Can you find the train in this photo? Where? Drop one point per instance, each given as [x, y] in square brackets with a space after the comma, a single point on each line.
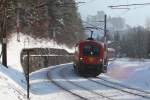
[90, 58]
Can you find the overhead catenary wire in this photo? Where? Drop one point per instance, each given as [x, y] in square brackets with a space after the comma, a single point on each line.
[99, 28]
[88, 2]
[129, 5]
[123, 8]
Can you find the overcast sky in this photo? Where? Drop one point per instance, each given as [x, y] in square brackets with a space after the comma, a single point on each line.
[137, 15]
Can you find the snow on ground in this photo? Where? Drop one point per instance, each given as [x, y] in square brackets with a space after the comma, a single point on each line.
[13, 77]
[41, 88]
[14, 47]
[11, 83]
[131, 72]
[13, 86]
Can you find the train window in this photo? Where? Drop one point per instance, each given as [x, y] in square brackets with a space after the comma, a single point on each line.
[90, 50]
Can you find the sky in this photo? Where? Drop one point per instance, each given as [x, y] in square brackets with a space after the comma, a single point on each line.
[137, 15]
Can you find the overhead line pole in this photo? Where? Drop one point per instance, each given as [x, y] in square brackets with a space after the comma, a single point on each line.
[105, 43]
[105, 30]
[27, 74]
[4, 38]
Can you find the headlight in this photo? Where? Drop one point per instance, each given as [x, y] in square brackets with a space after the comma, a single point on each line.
[81, 59]
[100, 60]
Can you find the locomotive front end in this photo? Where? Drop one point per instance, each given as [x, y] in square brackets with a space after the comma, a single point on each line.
[90, 58]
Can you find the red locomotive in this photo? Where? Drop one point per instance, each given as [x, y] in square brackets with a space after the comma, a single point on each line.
[90, 58]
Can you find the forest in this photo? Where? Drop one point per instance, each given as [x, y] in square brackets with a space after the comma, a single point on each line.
[56, 20]
[59, 20]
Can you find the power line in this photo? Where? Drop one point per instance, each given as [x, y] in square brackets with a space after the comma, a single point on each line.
[93, 26]
[123, 8]
[88, 2]
[128, 5]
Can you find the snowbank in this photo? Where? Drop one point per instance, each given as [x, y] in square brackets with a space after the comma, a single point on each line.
[15, 47]
[12, 80]
[12, 83]
[131, 72]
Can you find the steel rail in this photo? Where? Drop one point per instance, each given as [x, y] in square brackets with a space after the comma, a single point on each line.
[118, 88]
[93, 92]
[62, 87]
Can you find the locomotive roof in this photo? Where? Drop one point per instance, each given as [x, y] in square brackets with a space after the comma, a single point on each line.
[92, 41]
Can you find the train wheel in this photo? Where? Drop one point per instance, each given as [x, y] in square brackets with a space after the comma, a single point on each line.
[77, 69]
[74, 65]
[98, 70]
[105, 66]
[90, 75]
[96, 73]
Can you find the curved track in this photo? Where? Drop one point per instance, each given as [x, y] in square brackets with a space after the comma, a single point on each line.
[64, 73]
[117, 86]
[92, 88]
[50, 76]
[58, 77]
[123, 86]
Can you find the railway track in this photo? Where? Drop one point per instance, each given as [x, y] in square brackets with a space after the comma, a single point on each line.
[123, 88]
[95, 88]
[63, 73]
[74, 89]
[120, 87]
[49, 75]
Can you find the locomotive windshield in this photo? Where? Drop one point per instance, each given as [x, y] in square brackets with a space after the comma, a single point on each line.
[90, 50]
